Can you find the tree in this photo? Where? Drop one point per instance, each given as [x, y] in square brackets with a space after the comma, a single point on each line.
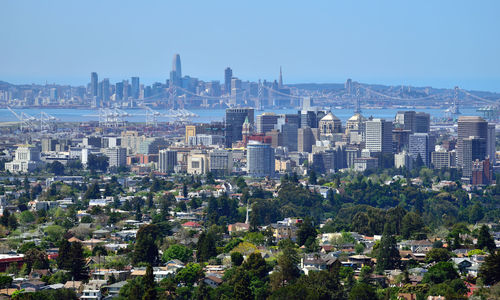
[5, 281]
[388, 255]
[99, 250]
[27, 217]
[97, 163]
[286, 271]
[411, 223]
[149, 284]
[206, 246]
[256, 266]
[56, 167]
[64, 258]
[489, 269]
[365, 274]
[241, 285]
[362, 291]
[78, 267]
[36, 259]
[485, 240]
[313, 179]
[177, 251]
[92, 192]
[184, 190]
[440, 272]
[190, 274]
[236, 259]
[145, 245]
[306, 230]
[437, 255]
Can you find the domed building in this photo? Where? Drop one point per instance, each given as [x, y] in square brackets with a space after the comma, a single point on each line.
[330, 124]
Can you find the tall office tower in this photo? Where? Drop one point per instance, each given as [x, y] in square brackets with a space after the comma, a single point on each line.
[290, 136]
[235, 117]
[221, 162]
[307, 103]
[306, 137]
[266, 122]
[126, 90]
[93, 84]
[105, 91]
[470, 126]
[260, 159]
[48, 144]
[422, 122]
[348, 86]
[53, 95]
[406, 120]
[330, 124]
[135, 88]
[379, 135]
[176, 73]
[119, 91]
[167, 160]
[117, 156]
[490, 144]
[419, 144]
[473, 148]
[228, 74]
[235, 91]
[308, 119]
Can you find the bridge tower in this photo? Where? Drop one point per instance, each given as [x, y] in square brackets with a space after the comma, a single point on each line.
[455, 106]
[357, 99]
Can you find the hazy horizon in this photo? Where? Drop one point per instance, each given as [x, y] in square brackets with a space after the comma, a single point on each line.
[426, 43]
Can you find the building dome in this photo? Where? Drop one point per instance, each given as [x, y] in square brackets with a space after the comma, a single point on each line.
[330, 117]
[356, 118]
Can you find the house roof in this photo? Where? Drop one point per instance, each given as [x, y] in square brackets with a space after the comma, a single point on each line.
[191, 224]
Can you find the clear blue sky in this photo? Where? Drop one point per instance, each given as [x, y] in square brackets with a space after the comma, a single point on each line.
[421, 43]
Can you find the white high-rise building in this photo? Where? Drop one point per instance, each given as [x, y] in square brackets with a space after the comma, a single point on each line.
[167, 160]
[379, 135]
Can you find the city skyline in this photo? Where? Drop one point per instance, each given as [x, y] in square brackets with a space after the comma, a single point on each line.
[440, 44]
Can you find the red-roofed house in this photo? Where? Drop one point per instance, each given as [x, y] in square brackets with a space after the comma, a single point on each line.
[191, 225]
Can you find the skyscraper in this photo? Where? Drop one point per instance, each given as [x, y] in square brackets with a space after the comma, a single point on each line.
[473, 148]
[167, 160]
[266, 122]
[491, 141]
[422, 122]
[379, 135]
[228, 74]
[119, 91]
[420, 145]
[176, 73]
[406, 120]
[470, 126]
[94, 82]
[260, 159]
[135, 88]
[105, 91]
[235, 91]
[235, 117]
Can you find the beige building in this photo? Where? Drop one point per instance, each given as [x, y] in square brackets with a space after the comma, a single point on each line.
[27, 159]
[198, 162]
[355, 129]
[330, 124]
